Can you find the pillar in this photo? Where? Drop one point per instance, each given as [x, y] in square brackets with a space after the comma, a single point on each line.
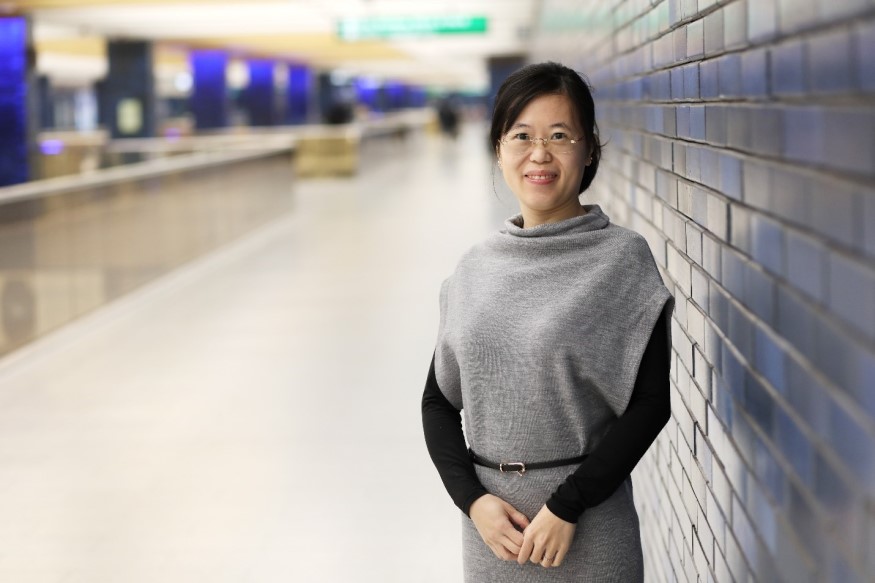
[130, 89]
[209, 100]
[17, 116]
[298, 94]
[259, 97]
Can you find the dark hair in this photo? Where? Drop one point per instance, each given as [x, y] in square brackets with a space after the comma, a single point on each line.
[533, 81]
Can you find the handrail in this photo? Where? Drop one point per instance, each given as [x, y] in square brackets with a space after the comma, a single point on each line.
[136, 171]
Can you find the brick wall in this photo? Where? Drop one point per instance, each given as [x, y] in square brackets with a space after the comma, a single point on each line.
[742, 145]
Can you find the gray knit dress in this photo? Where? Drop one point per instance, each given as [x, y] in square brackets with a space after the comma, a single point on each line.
[541, 334]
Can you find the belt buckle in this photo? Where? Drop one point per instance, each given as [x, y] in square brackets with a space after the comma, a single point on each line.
[518, 467]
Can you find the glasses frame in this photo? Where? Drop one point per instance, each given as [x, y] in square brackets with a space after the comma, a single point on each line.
[545, 143]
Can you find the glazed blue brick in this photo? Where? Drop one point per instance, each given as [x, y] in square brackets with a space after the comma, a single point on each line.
[852, 293]
[735, 24]
[675, 13]
[730, 176]
[683, 121]
[663, 51]
[759, 405]
[700, 207]
[694, 243]
[680, 44]
[739, 233]
[835, 9]
[804, 520]
[757, 184]
[740, 332]
[696, 39]
[660, 86]
[711, 257]
[729, 71]
[760, 294]
[709, 79]
[694, 168]
[865, 37]
[700, 287]
[795, 15]
[853, 444]
[794, 562]
[714, 32]
[829, 488]
[869, 224]
[849, 139]
[767, 243]
[766, 130]
[710, 164]
[715, 124]
[788, 69]
[838, 358]
[766, 467]
[738, 127]
[761, 507]
[806, 263]
[689, 8]
[669, 122]
[790, 195]
[718, 217]
[733, 377]
[803, 134]
[691, 81]
[732, 277]
[834, 211]
[677, 83]
[680, 158]
[831, 63]
[762, 20]
[796, 322]
[769, 359]
[795, 446]
[697, 122]
[755, 72]
[667, 187]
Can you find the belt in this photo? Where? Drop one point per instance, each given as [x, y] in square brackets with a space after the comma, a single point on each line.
[522, 467]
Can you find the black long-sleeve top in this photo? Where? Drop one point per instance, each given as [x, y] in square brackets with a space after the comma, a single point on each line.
[604, 469]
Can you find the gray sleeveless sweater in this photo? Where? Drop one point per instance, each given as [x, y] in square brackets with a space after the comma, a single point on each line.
[541, 334]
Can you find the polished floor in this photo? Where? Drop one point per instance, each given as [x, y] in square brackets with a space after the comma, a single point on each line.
[254, 415]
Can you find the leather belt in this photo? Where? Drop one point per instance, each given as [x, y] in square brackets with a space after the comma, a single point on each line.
[522, 467]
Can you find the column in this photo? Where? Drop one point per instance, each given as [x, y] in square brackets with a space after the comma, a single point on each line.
[16, 97]
[209, 100]
[130, 89]
[259, 96]
[298, 94]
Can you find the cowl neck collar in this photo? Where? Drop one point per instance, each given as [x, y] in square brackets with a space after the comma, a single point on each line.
[593, 220]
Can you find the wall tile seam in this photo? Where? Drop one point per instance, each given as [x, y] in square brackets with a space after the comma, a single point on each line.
[827, 522]
[821, 27]
[844, 180]
[842, 398]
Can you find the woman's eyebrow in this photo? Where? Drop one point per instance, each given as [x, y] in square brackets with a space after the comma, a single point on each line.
[558, 124]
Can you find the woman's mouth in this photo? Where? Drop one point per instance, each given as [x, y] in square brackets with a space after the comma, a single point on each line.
[540, 177]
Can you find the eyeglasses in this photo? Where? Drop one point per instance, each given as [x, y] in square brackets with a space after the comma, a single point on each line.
[558, 143]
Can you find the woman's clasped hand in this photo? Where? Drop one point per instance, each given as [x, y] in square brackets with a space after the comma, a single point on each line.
[513, 537]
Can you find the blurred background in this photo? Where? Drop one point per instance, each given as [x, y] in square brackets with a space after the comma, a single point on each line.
[223, 229]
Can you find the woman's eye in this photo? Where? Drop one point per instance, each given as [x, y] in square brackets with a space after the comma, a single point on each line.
[559, 136]
[520, 137]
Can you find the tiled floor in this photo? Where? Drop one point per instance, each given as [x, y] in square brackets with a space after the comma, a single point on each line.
[254, 416]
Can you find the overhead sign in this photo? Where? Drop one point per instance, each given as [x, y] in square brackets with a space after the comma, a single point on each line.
[352, 29]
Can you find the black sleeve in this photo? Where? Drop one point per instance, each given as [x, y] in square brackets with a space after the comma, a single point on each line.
[442, 424]
[616, 455]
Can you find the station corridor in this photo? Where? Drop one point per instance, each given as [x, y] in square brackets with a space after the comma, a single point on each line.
[254, 415]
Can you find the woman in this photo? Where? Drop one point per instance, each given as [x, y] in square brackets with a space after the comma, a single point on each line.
[554, 340]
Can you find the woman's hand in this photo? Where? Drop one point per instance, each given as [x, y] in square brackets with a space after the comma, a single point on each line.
[495, 520]
[546, 540]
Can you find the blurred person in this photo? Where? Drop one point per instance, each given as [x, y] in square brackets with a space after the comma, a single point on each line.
[448, 117]
[554, 341]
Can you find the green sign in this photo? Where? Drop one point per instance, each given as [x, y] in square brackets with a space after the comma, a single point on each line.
[351, 29]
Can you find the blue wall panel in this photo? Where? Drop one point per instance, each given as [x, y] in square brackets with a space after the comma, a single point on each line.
[260, 93]
[209, 101]
[14, 167]
[298, 94]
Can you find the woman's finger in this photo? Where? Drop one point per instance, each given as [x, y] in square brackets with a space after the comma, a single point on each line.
[560, 556]
[511, 546]
[547, 561]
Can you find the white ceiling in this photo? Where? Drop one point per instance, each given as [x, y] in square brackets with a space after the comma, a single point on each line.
[450, 61]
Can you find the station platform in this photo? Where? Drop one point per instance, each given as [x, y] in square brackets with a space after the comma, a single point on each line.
[253, 416]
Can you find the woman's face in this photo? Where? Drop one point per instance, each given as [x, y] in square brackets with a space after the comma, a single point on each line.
[545, 180]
